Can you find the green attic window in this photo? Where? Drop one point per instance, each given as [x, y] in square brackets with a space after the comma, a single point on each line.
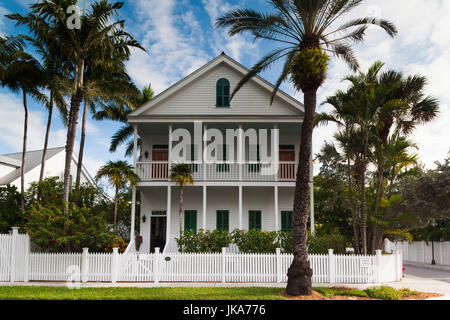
[223, 93]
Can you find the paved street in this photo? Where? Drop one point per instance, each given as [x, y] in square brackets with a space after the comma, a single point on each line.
[426, 279]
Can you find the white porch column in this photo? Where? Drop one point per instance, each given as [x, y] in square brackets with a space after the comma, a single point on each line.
[240, 152]
[168, 213]
[133, 189]
[240, 207]
[169, 187]
[311, 193]
[204, 207]
[275, 204]
[276, 150]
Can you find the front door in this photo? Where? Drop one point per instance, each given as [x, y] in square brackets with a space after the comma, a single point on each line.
[160, 167]
[157, 233]
[286, 158]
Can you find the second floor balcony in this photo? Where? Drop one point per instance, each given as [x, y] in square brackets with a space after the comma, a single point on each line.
[249, 171]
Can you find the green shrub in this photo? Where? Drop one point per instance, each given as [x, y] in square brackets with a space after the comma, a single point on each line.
[204, 241]
[10, 215]
[285, 239]
[256, 241]
[81, 227]
[384, 293]
[319, 244]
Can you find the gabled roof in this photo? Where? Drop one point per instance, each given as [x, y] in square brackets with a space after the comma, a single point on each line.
[33, 159]
[222, 58]
[10, 162]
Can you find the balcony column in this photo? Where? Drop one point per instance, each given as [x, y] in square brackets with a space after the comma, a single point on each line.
[205, 139]
[240, 152]
[169, 156]
[275, 205]
[276, 150]
[204, 207]
[133, 188]
[311, 194]
[240, 207]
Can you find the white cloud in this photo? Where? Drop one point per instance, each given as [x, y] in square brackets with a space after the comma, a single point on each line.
[11, 131]
[174, 47]
[3, 11]
[236, 46]
[422, 46]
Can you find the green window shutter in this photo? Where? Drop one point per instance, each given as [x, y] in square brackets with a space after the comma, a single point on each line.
[223, 93]
[254, 220]
[286, 221]
[222, 220]
[190, 220]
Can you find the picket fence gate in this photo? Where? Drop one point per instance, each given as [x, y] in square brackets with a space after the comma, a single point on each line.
[18, 264]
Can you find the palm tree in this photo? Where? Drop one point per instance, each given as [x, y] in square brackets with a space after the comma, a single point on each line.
[119, 173]
[55, 72]
[100, 38]
[118, 112]
[382, 100]
[306, 31]
[181, 174]
[343, 116]
[103, 83]
[21, 72]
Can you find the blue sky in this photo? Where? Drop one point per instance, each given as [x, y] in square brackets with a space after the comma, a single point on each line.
[179, 37]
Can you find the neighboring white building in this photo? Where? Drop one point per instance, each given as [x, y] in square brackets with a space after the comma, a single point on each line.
[234, 194]
[54, 166]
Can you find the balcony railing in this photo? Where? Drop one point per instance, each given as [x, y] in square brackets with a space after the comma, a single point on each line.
[250, 171]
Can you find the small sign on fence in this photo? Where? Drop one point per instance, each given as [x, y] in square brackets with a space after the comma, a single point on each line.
[365, 263]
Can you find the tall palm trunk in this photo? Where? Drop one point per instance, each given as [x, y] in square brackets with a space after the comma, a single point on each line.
[116, 202]
[352, 201]
[181, 217]
[47, 134]
[363, 193]
[71, 132]
[81, 152]
[300, 273]
[24, 150]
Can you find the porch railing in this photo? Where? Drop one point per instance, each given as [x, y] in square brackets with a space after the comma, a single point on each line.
[249, 171]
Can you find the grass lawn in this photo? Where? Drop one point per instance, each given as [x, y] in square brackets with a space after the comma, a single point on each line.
[202, 293]
[122, 293]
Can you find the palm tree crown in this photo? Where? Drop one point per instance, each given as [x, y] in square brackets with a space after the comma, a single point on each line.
[300, 25]
[118, 173]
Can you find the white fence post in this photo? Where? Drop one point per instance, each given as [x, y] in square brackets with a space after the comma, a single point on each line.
[27, 259]
[398, 265]
[85, 265]
[423, 250]
[14, 240]
[115, 265]
[278, 251]
[331, 266]
[378, 266]
[224, 251]
[156, 262]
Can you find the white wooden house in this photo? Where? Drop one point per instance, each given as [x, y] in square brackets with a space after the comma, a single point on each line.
[231, 189]
[54, 167]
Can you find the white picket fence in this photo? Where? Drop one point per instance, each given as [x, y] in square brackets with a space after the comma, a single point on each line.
[421, 251]
[186, 267]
